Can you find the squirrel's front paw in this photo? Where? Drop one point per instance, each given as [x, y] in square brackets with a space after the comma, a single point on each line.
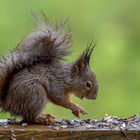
[76, 110]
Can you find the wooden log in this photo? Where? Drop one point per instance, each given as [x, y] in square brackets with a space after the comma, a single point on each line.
[41, 132]
[106, 128]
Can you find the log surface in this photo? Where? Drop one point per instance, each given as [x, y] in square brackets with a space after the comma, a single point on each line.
[107, 128]
[40, 132]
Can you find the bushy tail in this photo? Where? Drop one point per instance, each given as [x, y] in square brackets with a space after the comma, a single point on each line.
[47, 45]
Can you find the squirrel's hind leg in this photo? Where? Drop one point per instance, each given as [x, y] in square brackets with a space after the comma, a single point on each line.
[26, 97]
[44, 119]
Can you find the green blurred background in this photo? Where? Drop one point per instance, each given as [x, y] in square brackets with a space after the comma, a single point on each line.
[116, 27]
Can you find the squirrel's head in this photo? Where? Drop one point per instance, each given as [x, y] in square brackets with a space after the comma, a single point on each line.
[84, 80]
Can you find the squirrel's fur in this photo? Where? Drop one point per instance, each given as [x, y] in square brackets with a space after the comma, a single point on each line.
[33, 74]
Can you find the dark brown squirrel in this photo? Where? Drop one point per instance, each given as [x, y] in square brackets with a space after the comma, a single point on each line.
[33, 74]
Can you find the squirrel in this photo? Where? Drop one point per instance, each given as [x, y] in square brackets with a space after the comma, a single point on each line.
[33, 74]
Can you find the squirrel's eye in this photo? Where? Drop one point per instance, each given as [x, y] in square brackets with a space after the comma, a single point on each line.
[88, 84]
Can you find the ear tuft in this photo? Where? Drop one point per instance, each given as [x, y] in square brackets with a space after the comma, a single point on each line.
[87, 53]
[84, 59]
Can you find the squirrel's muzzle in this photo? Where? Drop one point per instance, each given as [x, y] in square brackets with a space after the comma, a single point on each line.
[93, 94]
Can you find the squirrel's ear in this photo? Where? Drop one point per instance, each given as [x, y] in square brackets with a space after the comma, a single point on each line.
[84, 59]
[87, 53]
[79, 66]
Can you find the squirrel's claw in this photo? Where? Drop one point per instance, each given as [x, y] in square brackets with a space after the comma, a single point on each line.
[84, 113]
[50, 116]
[76, 114]
[44, 119]
[77, 110]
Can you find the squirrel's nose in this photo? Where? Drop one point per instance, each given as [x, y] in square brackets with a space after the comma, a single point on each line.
[96, 88]
[94, 96]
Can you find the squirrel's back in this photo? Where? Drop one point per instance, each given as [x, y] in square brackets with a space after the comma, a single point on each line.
[48, 45]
